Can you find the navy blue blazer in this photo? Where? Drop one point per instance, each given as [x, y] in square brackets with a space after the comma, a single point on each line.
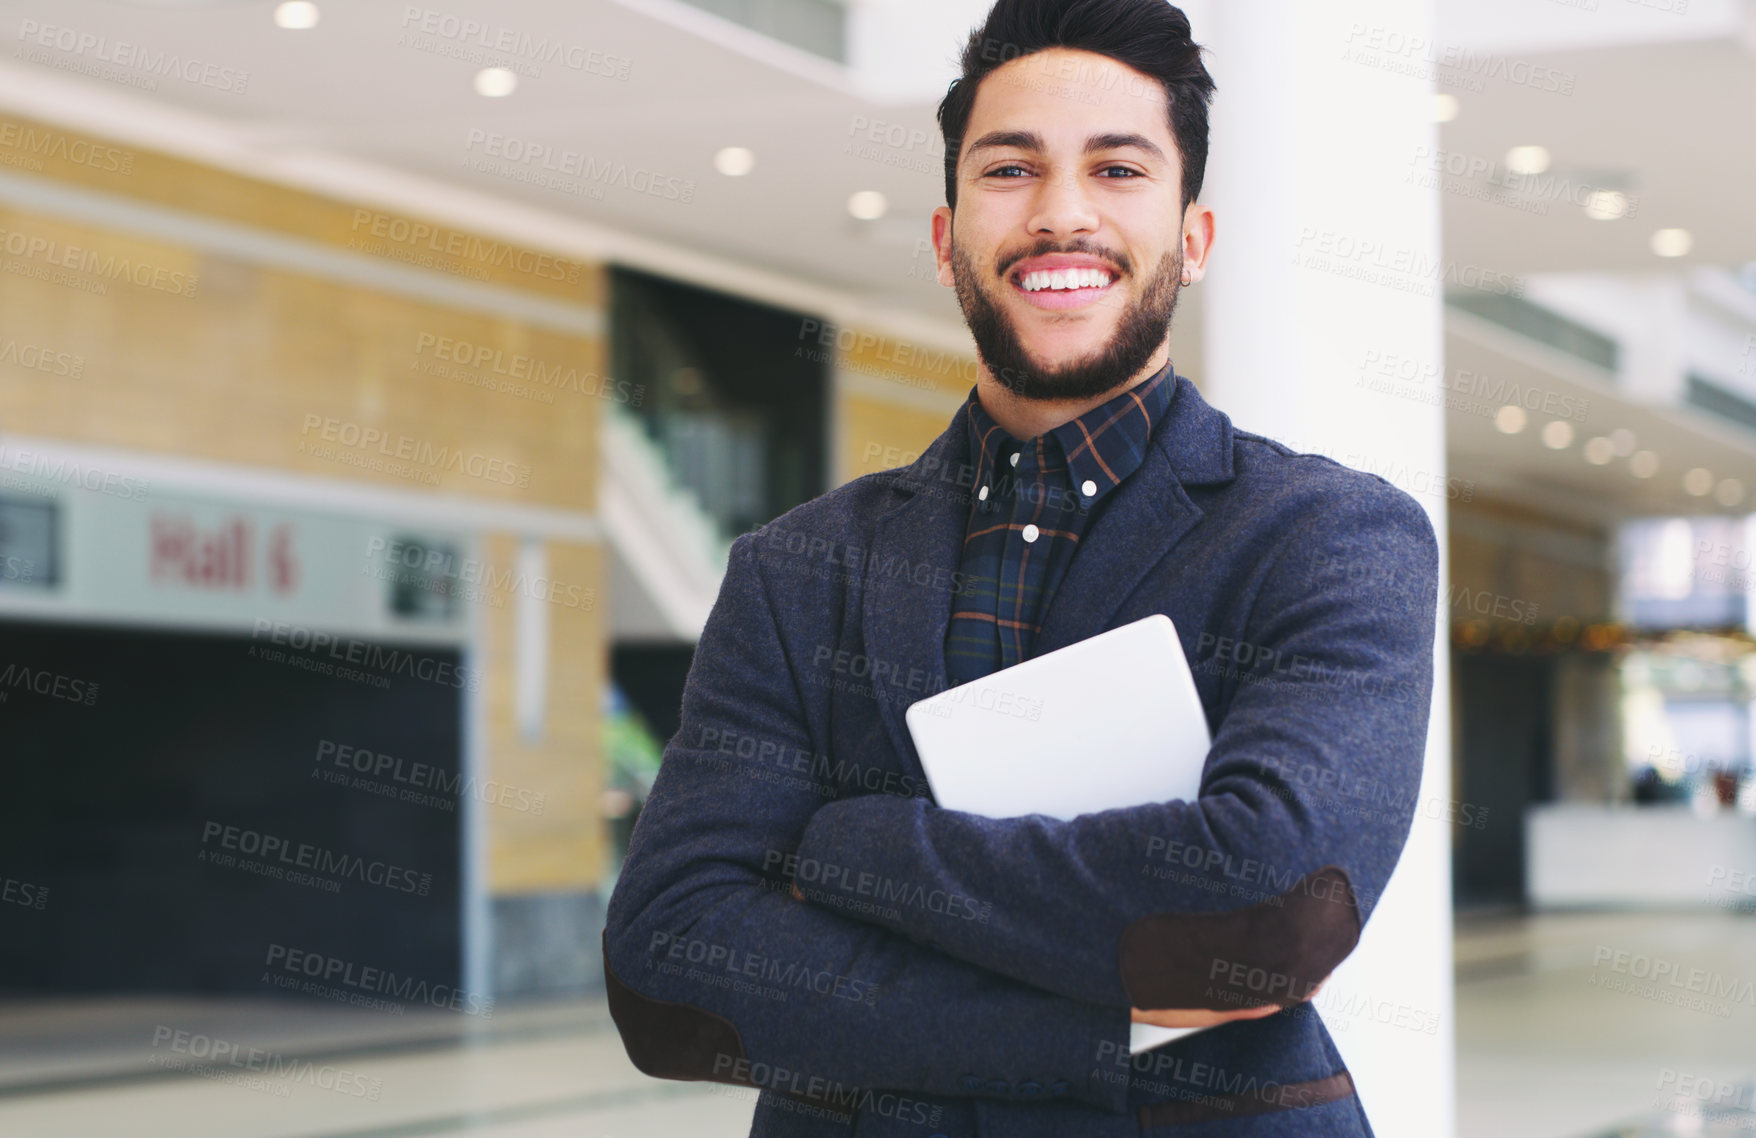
[796, 915]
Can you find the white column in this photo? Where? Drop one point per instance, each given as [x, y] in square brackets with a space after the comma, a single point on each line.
[1326, 264]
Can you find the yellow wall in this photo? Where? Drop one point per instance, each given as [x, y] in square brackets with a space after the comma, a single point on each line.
[888, 393]
[189, 354]
[562, 845]
[88, 162]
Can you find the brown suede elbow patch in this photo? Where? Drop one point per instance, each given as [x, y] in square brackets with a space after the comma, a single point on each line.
[678, 1041]
[1273, 952]
[673, 1041]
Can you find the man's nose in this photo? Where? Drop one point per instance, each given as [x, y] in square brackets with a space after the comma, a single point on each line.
[1063, 207]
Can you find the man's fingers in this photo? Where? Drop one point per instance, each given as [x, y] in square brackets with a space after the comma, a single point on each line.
[1204, 1017]
[1198, 1017]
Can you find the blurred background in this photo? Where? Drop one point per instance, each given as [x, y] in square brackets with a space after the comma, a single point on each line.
[382, 384]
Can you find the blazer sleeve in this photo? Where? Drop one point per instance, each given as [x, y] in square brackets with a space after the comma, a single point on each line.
[1253, 893]
[715, 971]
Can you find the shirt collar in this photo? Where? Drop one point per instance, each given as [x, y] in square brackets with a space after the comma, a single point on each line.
[1101, 447]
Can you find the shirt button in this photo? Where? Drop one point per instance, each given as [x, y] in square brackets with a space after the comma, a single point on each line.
[982, 494]
[1014, 458]
[1030, 533]
[1088, 488]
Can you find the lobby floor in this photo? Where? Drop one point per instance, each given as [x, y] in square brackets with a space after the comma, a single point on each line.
[1557, 1037]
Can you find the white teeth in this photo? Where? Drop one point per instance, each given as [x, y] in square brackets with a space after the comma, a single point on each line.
[1064, 279]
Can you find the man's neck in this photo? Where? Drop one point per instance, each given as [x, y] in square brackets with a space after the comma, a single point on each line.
[1027, 418]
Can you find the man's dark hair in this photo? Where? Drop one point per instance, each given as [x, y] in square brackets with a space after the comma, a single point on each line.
[1150, 36]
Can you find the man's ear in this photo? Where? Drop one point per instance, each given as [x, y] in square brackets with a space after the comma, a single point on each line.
[942, 245]
[1197, 240]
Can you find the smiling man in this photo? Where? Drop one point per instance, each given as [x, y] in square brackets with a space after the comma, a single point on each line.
[798, 917]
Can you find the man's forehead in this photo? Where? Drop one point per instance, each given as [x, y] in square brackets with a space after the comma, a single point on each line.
[1064, 95]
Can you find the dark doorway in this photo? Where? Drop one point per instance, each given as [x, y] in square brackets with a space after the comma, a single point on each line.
[1505, 756]
[188, 804]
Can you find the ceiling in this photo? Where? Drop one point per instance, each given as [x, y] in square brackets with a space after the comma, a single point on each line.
[1642, 116]
[1659, 108]
[1560, 480]
[1643, 119]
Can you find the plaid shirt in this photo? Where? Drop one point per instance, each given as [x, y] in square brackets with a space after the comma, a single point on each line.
[1032, 502]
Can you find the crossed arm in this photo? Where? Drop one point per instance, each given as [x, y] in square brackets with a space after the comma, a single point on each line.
[715, 972]
[905, 996]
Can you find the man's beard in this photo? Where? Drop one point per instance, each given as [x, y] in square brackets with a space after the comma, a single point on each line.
[1138, 335]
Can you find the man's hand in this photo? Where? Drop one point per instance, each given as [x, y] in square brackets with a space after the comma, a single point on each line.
[1198, 1017]
[1202, 1017]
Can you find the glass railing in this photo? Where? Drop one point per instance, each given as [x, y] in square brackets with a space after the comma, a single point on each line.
[1727, 404]
[1541, 324]
[646, 469]
[735, 411]
[816, 26]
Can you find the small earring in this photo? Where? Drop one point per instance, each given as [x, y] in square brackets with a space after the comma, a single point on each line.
[1186, 277]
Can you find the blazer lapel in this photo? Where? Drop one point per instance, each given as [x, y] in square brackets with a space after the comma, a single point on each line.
[904, 621]
[1145, 517]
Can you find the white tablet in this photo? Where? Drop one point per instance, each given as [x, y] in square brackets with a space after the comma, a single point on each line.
[1113, 720]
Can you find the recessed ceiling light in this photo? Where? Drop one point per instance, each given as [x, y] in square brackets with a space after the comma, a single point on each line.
[296, 15]
[1527, 159]
[1599, 451]
[868, 205]
[1672, 242]
[1557, 434]
[1445, 108]
[1606, 205]
[735, 161]
[1698, 481]
[496, 82]
[1644, 464]
[1510, 419]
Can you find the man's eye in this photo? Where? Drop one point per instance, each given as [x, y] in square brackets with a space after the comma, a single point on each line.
[1000, 170]
[1128, 170]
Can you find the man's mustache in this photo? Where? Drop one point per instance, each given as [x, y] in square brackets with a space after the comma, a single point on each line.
[1118, 261]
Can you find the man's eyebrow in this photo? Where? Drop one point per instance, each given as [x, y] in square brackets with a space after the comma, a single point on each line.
[1031, 140]
[1121, 141]
[1007, 140]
